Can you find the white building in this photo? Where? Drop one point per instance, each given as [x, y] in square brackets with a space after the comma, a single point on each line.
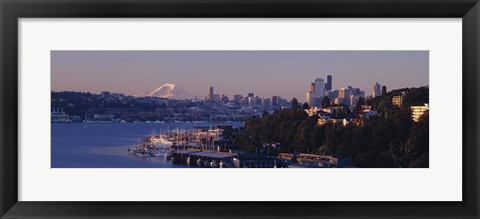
[418, 111]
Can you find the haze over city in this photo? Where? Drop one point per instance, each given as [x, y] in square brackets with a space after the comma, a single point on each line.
[266, 73]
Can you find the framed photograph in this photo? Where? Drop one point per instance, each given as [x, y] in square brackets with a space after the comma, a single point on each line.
[239, 109]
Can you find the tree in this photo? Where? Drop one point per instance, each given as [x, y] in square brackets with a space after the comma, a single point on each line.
[295, 103]
[325, 101]
[384, 90]
[358, 107]
[306, 106]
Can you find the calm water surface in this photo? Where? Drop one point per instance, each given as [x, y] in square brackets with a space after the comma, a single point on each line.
[104, 145]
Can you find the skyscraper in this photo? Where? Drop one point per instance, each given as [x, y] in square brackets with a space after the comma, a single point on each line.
[210, 94]
[319, 87]
[316, 92]
[310, 98]
[328, 85]
[376, 90]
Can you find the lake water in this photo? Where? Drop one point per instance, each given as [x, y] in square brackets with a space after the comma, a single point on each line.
[104, 145]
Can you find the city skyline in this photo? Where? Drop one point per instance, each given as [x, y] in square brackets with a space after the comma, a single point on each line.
[266, 73]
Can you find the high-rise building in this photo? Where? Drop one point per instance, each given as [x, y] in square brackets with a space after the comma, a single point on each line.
[328, 85]
[319, 87]
[210, 94]
[310, 98]
[376, 90]
[251, 95]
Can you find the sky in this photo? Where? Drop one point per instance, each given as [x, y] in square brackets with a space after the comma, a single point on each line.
[266, 73]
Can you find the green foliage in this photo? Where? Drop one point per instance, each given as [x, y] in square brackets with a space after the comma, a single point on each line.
[306, 106]
[358, 107]
[295, 103]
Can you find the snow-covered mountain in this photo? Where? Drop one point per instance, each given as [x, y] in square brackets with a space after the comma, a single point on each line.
[171, 91]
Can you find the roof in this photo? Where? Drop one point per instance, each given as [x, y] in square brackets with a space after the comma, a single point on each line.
[214, 154]
[186, 151]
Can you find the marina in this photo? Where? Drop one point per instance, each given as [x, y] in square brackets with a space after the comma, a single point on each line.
[196, 147]
[205, 147]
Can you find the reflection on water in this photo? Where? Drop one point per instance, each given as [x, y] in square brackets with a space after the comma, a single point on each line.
[104, 145]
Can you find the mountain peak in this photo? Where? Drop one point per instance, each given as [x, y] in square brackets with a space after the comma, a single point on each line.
[171, 91]
[164, 91]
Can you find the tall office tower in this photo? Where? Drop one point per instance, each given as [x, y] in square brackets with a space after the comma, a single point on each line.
[376, 90]
[319, 87]
[310, 98]
[312, 87]
[210, 94]
[251, 95]
[328, 86]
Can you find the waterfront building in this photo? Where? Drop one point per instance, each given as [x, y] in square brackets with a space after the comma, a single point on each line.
[59, 116]
[103, 117]
[418, 111]
[316, 160]
[254, 161]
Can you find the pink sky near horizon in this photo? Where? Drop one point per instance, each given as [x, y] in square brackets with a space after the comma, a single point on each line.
[265, 73]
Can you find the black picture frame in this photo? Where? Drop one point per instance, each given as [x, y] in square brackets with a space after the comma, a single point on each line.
[12, 10]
